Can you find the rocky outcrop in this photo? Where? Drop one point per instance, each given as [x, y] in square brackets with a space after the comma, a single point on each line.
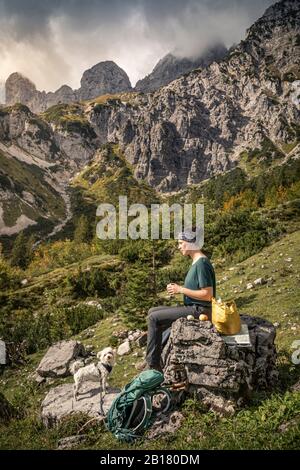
[222, 376]
[58, 359]
[103, 78]
[19, 89]
[171, 67]
[59, 402]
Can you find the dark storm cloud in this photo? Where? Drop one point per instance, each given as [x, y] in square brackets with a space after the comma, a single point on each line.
[55, 40]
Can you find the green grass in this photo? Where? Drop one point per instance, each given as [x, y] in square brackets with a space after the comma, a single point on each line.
[71, 118]
[270, 421]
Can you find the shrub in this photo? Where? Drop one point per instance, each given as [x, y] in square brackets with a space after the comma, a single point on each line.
[93, 282]
[9, 277]
[82, 316]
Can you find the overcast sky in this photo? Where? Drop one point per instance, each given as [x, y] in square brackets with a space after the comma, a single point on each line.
[52, 42]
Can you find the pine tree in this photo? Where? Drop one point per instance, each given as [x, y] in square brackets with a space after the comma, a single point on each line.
[139, 295]
[19, 251]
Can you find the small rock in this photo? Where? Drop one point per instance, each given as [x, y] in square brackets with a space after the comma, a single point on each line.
[296, 387]
[277, 324]
[259, 282]
[124, 348]
[120, 334]
[142, 339]
[249, 286]
[37, 378]
[24, 282]
[133, 336]
[70, 442]
[287, 425]
[166, 424]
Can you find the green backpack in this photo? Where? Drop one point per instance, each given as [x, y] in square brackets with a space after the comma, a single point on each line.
[133, 411]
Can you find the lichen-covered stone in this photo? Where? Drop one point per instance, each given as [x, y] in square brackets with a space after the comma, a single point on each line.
[221, 375]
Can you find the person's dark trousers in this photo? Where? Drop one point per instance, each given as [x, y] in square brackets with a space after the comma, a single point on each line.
[160, 319]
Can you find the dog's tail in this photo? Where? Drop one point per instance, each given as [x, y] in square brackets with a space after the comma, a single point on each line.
[75, 367]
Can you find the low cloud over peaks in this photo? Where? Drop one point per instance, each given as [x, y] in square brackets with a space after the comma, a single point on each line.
[54, 42]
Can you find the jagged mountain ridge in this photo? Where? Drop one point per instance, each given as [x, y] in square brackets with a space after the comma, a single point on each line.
[104, 77]
[171, 67]
[197, 126]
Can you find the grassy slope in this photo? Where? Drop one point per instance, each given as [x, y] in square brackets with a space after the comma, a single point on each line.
[270, 421]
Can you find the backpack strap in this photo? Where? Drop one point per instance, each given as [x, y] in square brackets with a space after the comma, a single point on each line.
[144, 414]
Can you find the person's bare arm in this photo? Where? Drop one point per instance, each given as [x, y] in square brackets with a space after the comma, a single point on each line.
[206, 293]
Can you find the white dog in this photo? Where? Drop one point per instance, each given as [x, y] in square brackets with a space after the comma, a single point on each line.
[94, 372]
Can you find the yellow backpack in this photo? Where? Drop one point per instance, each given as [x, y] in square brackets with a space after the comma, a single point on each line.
[225, 317]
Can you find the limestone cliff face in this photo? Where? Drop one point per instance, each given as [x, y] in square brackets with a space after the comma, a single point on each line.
[171, 67]
[199, 124]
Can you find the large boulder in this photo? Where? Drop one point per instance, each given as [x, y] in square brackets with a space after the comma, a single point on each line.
[59, 402]
[219, 374]
[57, 360]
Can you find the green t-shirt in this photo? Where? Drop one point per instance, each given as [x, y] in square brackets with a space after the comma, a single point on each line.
[201, 274]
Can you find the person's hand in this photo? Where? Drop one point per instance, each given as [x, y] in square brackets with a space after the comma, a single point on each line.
[173, 289]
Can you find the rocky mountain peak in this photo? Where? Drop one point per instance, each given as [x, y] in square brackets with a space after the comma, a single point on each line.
[19, 89]
[103, 78]
[281, 8]
[171, 67]
[281, 15]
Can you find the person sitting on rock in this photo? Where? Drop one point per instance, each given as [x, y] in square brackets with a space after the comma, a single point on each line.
[198, 289]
